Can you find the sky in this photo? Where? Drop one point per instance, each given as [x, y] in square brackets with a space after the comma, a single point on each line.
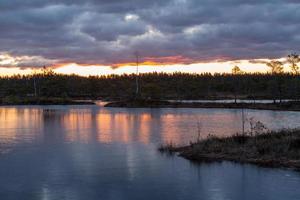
[95, 37]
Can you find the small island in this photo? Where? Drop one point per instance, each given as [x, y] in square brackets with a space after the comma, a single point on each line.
[271, 149]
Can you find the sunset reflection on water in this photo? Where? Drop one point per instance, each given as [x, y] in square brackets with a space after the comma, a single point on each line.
[20, 124]
[90, 124]
[85, 126]
[88, 151]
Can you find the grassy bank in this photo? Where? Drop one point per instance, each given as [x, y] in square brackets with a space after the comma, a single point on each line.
[12, 100]
[272, 149]
[143, 103]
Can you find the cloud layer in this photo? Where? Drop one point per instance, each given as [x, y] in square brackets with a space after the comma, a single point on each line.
[109, 32]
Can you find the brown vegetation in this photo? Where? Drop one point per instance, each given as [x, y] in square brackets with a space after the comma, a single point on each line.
[270, 149]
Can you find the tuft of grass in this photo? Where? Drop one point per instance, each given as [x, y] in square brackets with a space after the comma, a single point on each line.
[169, 148]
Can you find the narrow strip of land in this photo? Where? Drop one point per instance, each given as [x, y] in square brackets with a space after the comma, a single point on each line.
[287, 106]
[273, 149]
[42, 101]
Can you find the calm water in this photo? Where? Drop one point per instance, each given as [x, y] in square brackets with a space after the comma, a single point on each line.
[91, 152]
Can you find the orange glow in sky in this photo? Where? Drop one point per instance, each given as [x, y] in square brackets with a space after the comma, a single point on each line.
[147, 67]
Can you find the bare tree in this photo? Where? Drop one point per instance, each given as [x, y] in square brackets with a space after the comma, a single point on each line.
[199, 128]
[293, 59]
[34, 75]
[244, 119]
[236, 70]
[34, 85]
[275, 66]
[137, 56]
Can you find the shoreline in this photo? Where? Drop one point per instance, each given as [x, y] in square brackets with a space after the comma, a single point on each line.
[14, 101]
[145, 103]
[273, 149]
[284, 106]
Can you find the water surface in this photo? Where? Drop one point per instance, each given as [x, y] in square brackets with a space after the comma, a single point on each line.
[91, 152]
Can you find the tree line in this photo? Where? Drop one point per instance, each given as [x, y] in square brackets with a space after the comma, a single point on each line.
[272, 85]
[155, 86]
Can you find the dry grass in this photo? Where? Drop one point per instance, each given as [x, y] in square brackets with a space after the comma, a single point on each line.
[272, 149]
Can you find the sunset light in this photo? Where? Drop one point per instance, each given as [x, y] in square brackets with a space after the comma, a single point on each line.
[149, 66]
[149, 100]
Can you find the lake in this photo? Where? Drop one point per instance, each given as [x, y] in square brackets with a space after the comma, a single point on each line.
[91, 152]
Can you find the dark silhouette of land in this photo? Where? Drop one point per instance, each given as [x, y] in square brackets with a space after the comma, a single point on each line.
[154, 86]
[271, 149]
[13, 100]
[145, 103]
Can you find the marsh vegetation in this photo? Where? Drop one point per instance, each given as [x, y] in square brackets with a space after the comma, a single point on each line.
[269, 149]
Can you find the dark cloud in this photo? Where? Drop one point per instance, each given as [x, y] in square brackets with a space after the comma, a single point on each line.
[109, 32]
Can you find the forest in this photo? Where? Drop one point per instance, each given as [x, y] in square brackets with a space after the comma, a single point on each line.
[276, 85]
[154, 86]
